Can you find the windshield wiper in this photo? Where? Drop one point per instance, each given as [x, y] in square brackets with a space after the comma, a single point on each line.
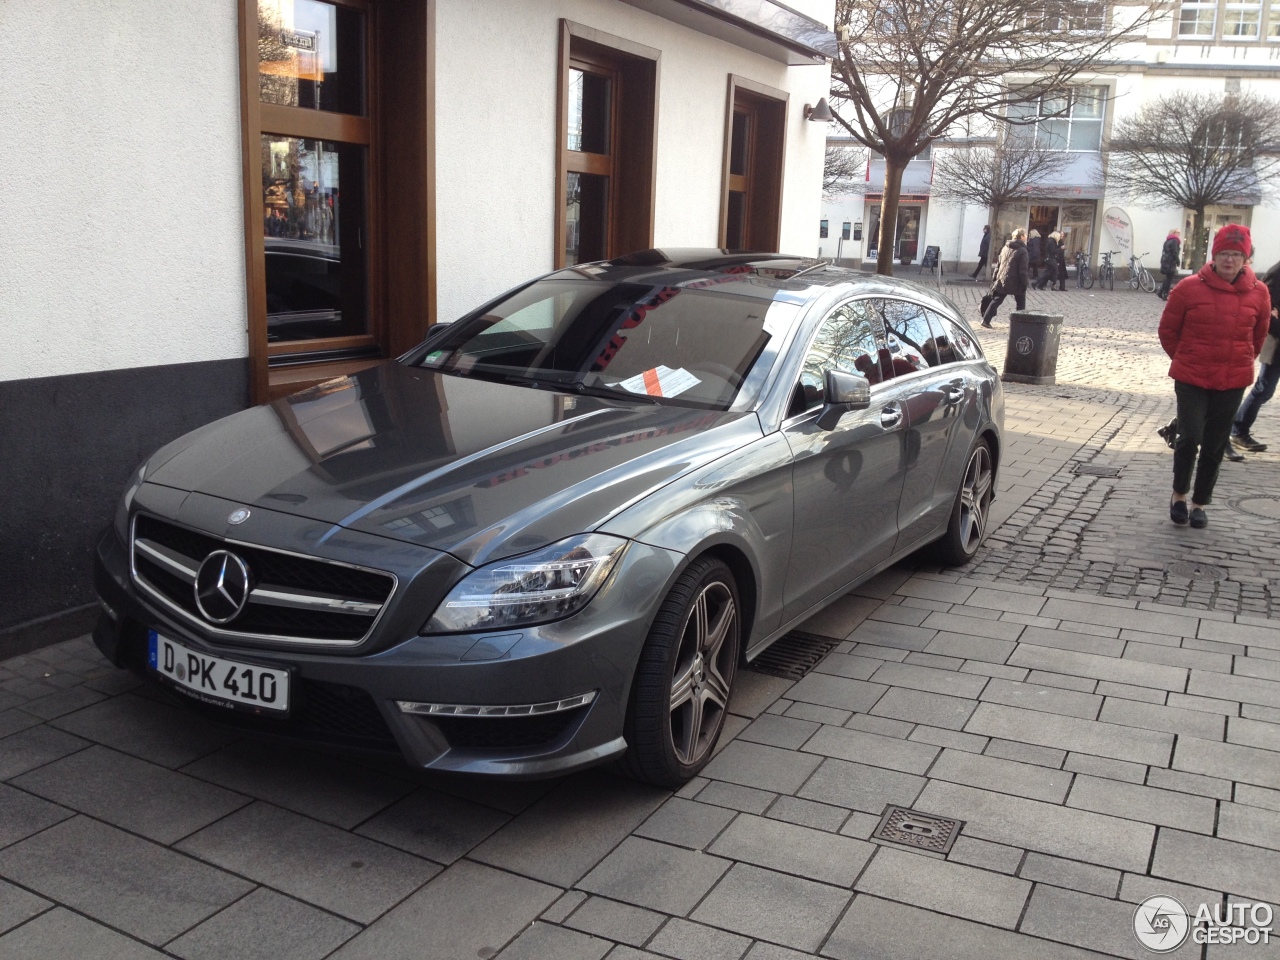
[612, 393]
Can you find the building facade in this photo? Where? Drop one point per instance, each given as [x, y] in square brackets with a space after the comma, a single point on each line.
[207, 205]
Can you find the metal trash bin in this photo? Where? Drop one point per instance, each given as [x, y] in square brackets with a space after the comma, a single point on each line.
[1032, 352]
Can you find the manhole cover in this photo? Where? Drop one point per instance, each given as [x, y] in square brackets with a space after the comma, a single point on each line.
[1096, 470]
[926, 831]
[1195, 571]
[1259, 505]
[793, 655]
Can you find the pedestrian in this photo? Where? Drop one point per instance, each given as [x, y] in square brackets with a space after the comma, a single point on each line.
[1212, 328]
[1012, 276]
[984, 248]
[1169, 255]
[1034, 256]
[1051, 254]
[1062, 262]
[1268, 374]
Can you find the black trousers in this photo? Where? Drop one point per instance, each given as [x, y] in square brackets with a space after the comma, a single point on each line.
[1204, 426]
[998, 294]
[1163, 292]
[1048, 277]
[982, 262]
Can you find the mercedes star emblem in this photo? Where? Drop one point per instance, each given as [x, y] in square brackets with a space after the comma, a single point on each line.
[222, 586]
[238, 515]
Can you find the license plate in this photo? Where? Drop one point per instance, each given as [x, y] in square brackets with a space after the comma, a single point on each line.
[220, 681]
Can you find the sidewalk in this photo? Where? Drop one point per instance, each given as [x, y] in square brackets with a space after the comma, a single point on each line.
[1105, 723]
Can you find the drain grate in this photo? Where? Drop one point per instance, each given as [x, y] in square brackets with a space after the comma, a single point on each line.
[1193, 570]
[793, 655]
[1095, 470]
[1261, 505]
[926, 831]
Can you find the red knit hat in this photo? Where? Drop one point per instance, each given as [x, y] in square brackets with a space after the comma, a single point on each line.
[1233, 236]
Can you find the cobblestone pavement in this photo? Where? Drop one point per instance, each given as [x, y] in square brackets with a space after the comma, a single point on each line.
[1102, 738]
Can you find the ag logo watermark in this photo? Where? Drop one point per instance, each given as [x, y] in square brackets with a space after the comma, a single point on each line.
[1162, 924]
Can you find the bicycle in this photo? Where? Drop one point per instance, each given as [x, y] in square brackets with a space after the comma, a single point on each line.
[1106, 271]
[1084, 276]
[1139, 277]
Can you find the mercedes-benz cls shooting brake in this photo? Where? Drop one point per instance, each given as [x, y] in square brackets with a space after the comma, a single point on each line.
[550, 535]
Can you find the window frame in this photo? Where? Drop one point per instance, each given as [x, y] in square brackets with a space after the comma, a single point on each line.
[768, 109]
[1197, 5]
[1240, 7]
[1032, 123]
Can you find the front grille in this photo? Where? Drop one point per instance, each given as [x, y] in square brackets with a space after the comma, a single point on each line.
[292, 596]
[507, 733]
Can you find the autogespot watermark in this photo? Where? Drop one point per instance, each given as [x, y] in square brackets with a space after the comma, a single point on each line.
[1162, 924]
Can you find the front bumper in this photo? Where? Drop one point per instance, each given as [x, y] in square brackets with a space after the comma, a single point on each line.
[349, 700]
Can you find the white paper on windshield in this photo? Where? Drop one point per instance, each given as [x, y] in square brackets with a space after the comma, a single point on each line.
[660, 381]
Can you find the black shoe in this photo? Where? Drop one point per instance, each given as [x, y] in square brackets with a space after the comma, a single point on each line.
[1178, 512]
[1246, 441]
[1234, 455]
[1198, 519]
[987, 324]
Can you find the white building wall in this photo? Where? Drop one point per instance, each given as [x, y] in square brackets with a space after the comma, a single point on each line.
[121, 226]
[496, 148]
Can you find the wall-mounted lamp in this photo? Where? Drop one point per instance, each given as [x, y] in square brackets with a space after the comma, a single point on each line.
[820, 114]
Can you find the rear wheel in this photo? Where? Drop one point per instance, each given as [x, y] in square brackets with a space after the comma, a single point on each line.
[1109, 277]
[969, 515]
[1086, 277]
[680, 696]
[1146, 281]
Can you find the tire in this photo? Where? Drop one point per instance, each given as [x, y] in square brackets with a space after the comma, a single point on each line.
[968, 525]
[1086, 277]
[1110, 278]
[680, 695]
[1146, 281]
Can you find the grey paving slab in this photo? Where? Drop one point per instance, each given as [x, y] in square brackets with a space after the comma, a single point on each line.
[930, 680]
[1097, 667]
[970, 647]
[766, 905]
[1007, 601]
[1220, 686]
[953, 739]
[1058, 914]
[1253, 733]
[1062, 681]
[147, 729]
[1135, 887]
[977, 623]
[917, 706]
[859, 787]
[1061, 831]
[13, 720]
[1249, 824]
[686, 823]
[883, 584]
[318, 786]
[872, 749]
[62, 701]
[1178, 656]
[265, 926]
[34, 747]
[736, 797]
[693, 941]
[1002, 776]
[599, 810]
[470, 910]
[793, 849]
[1149, 716]
[985, 854]
[945, 887]
[1242, 633]
[1062, 638]
[839, 693]
[126, 882]
[568, 901]
[22, 815]
[1106, 767]
[1072, 734]
[1228, 761]
[1253, 666]
[615, 921]
[1225, 708]
[899, 636]
[434, 825]
[815, 713]
[63, 934]
[848, 665]
[808, 813]
[349, 875]
[1257, 796]
[786, 732]
[762, 767]
[753, 692]
[1218, 864]
[1127, 691]
[859, 825]
[1083, 610]
[1026, 753]
[1254, 712]
[1085, 877]
[884, 726]
[880, 652]
[1033, 696]
[509, 796]
[884, 930]
[18, 906]
[141, 797]
[655, 875]
[1189, 783]
[543, 940]
[891, 613]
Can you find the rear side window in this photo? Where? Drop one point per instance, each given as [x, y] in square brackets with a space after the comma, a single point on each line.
[942, 338]
[963, 345]
[910, 338]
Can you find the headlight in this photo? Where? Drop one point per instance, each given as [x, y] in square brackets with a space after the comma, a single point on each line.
[548, 584]
[122, 508]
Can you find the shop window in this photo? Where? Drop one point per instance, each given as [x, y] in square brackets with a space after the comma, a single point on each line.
[1062, 120]
[606, 136]
[1242, 20]
[822, 229]
[1198, 18]
[755, 134]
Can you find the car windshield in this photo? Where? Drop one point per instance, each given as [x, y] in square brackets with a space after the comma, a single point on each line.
[686, 344]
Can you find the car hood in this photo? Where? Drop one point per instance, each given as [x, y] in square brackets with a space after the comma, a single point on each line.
[478, 469]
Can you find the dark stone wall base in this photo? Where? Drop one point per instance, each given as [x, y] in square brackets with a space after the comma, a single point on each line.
[67, 448]
[47, 631]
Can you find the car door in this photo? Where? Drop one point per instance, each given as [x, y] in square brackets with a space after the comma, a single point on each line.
[934, 395]
[846, 479]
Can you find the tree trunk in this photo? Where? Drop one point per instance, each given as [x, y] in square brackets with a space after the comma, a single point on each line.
[889, 215]
[1198, 241]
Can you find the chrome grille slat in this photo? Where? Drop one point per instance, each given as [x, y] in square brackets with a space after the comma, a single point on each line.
[307, 600]
[171, 560]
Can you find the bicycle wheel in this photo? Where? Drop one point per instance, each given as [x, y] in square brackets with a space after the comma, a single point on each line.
[1146, 281]
[1109, 277]
[1086, 277]
[1133, 278]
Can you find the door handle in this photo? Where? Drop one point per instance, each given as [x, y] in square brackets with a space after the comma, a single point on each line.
[890, 416]
[954, 392]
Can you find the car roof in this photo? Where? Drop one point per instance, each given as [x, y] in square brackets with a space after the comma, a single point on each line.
[766, 276]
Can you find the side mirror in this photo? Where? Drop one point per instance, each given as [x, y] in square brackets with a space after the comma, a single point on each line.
[843, 392]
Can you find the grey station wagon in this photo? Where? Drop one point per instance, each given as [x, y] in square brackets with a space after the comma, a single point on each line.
[550, 535]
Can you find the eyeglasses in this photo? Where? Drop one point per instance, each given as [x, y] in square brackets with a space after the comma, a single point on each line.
[1234, 254]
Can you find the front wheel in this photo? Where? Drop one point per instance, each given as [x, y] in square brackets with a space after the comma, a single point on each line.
[1086, 277]
[972, 509]
[1109, 278]
[680, 695]
[1146, 281]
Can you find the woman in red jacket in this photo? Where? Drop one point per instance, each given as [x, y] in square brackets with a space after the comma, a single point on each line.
[1212, 327]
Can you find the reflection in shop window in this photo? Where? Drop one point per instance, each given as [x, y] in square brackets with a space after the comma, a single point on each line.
[311, 55]
[313, 224]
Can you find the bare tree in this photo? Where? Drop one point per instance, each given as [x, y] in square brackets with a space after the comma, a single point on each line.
[844, 167]
[914, 70]
[1193, 150]
[1017, 168]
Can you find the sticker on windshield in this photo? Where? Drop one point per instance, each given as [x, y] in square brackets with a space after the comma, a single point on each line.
[660, 381]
